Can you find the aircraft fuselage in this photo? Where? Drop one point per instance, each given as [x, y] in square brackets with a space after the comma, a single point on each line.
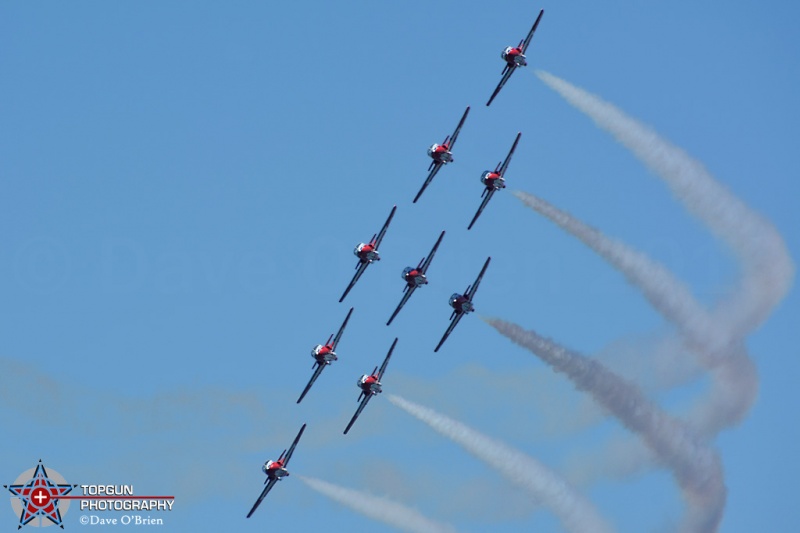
[367, 253]
[323, 354]
[461, 304]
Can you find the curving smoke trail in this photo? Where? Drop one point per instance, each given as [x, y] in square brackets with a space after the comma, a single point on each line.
[576, 513]
[734, 386]
[734, 378]
[696, 466]
[668, 295]
[381, 509]
[767, 267]
[716, 337]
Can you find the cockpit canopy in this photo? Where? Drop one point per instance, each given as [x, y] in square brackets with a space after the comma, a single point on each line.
[406, 272]
[362, 380]
[454, 298]
[432, 149]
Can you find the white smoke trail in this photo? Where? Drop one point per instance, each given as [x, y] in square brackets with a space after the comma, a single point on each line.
[696, 466]
[734, 387]
[768, 269]
[766, 277]
[576, 513]
[734, 378]
[667, 294]
[381, 509]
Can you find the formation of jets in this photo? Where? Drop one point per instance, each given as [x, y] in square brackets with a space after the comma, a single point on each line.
[414, 277]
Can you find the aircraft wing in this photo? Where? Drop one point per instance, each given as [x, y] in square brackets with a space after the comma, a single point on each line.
[509, 70]
[270, 484]
[436, 167]
[361, 407]
[314, 377]
[458, 129]
[360, 270]
[406, 296]
[427, 262]
[341, 330]
[486, 198]
[450, 328]
[291, 448]
[384, 228]
[530, 35]
[471, 292]
[503, 168]
[386, 361]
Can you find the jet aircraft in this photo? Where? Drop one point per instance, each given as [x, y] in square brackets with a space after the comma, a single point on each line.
[441, 155]
[276, 470]
[494, 181]
[367, 253]
[462, 304]
[514, 56]
[324, 355]
[415, 277]
[370, 386]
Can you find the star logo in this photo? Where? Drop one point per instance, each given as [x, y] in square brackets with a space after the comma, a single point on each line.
[38, 497]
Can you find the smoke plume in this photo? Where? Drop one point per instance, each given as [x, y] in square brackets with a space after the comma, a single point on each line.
[576, 513]
[381, 509]
[767, 268]
[696, 466]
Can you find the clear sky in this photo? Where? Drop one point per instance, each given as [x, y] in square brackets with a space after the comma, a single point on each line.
[181, 189]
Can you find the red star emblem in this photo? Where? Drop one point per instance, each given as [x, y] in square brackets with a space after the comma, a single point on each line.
[39, 497]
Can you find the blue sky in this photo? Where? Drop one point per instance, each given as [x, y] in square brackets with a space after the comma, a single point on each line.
[183, 188]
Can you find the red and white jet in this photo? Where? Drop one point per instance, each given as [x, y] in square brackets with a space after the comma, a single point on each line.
[462, 304]
[514, 56]
[324, 355]
[441, 154]
[370, 386]
[415, 277]
[367, 253]
[276, 470]
[494, 181]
